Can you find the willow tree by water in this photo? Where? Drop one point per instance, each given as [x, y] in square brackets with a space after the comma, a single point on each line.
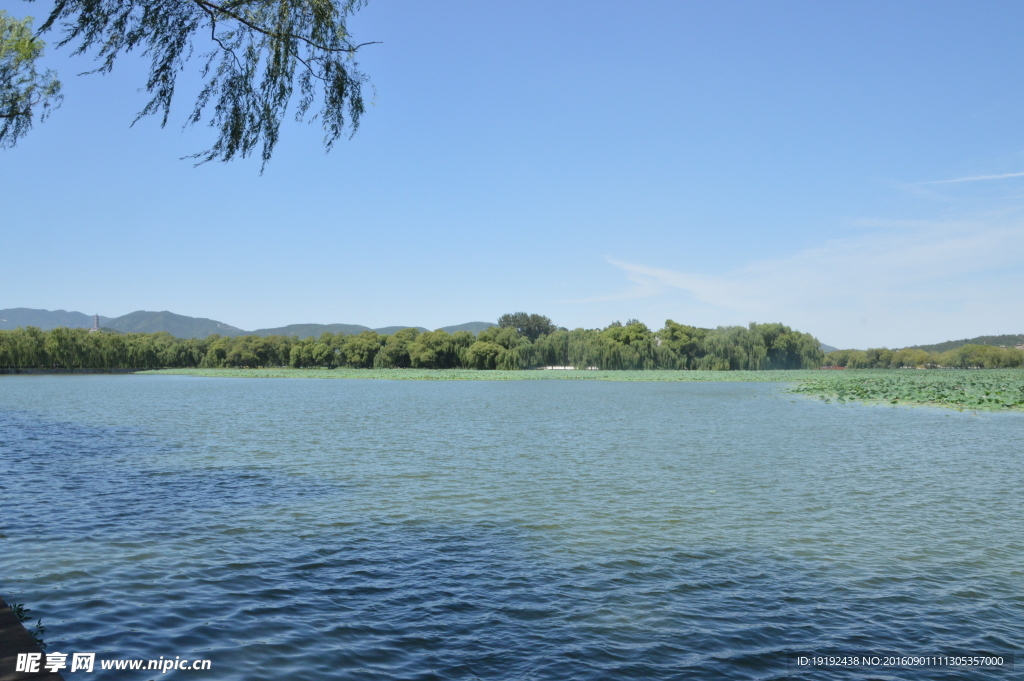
[970, 356]
[632, 346]
[256, 58]
[26, 94]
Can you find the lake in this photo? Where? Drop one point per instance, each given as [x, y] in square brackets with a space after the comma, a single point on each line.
[373, 529]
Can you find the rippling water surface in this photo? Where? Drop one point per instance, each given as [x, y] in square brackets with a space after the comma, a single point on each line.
[307, 529]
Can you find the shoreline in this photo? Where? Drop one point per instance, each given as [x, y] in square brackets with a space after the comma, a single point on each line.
[70, 371]
[654, 375]
[16, 639]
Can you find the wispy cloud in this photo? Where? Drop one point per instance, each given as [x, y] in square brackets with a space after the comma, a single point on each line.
[895, 286]
[645, 287]
[974, 178]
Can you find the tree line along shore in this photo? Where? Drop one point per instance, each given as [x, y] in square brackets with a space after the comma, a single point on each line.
[963, 357]
[519, 342]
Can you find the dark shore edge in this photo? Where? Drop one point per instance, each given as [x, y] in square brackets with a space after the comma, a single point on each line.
[15, 639]
[70, 371]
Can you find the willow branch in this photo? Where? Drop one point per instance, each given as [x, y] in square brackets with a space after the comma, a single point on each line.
[208, 6]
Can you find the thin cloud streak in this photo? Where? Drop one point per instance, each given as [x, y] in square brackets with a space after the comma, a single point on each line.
[975, 178]
[893, 287]
[645, 288]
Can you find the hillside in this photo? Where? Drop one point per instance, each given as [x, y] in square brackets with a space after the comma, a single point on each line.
[309, 330]
[314, 330]
[1009, 340]
[182, 326]
[474, 327]
[45, 319]
[177, 325]
[388, 330]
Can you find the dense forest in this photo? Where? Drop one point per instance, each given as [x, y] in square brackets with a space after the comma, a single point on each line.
[520, 341]
[962, 357]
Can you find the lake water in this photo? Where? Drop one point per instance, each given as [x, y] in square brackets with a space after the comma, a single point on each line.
[360, 529]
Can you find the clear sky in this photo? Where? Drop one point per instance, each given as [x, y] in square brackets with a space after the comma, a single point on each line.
[854, 170]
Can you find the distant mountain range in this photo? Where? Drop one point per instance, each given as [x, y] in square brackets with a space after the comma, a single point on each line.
[1009, 340]
[189, 327]
[45, 319]
[312, 330]
[174, 324]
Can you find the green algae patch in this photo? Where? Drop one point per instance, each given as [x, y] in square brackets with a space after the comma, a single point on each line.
[496, 375]
[987, 389]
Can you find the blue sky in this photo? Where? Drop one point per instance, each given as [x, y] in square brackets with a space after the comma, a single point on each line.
[851, 169]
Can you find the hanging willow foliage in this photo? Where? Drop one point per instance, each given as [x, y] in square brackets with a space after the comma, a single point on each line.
[25, 93]
[260, 52]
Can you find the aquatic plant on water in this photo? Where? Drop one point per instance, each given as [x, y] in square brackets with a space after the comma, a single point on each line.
[992, 389]
[37, 631]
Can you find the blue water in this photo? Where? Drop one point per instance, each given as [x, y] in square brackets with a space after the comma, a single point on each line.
[360, 529]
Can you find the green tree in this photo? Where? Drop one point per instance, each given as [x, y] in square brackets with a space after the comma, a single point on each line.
[549, 350]
[360, 351]
[257, 56]
[63, 345]
[483, 355]
[395, 353]
[911, 357]
[788, 349]
[25, 93]
[632, 346]
[531, 326]
[617, 347]
[680, 345]
[439, 349]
